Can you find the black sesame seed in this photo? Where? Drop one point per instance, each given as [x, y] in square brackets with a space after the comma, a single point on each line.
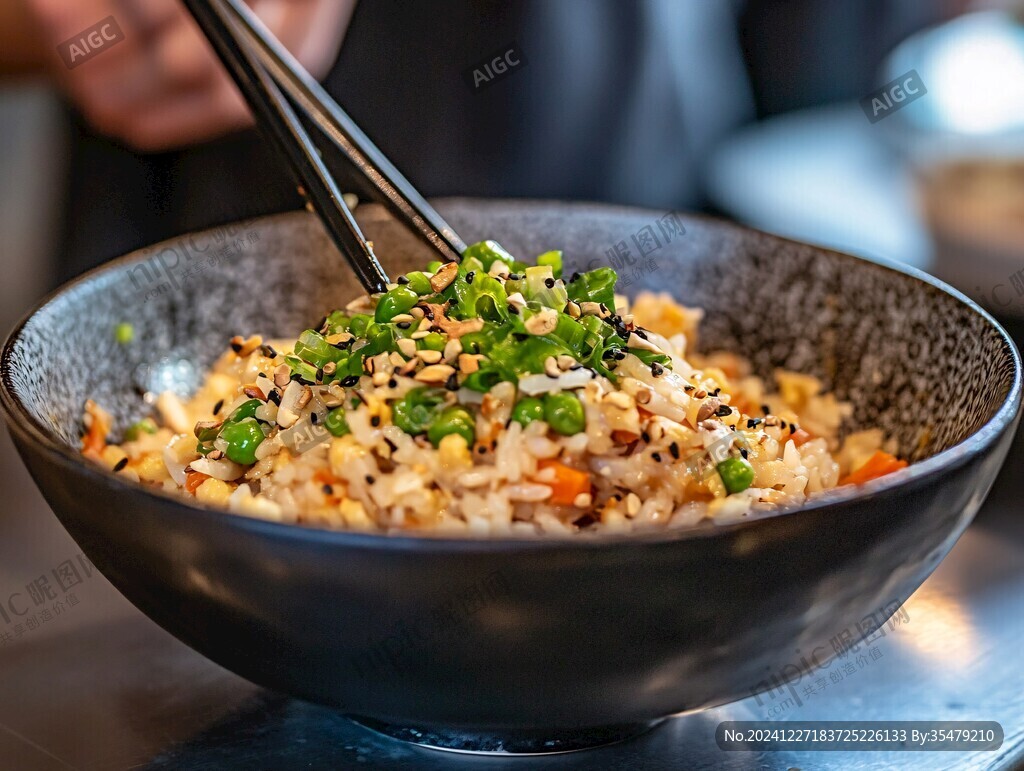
[275, 397]
[403, 324]
[350, 381]
[375, 421]
[656, 456]
[689, 387]
[585, 521]
[514, 277]
[724, 410]
[452, 383]
[752, 422]
[319, 374]
[482, 450]
[674, 449]
[640, 333]
[513, 309]
[314, 418]
[121, 464]
[519, 336]
[575, 276]
[268, 351]
[645, 436]
[236, 347]
[657, 370]
[369, 479]
[792, 428]
[609, 353]
[392, 383]
[328, 490]
[403, 279]
[218, 407]
[766, 409]
[716, 392]
[743, 453]
[549, 283]
[470, 276]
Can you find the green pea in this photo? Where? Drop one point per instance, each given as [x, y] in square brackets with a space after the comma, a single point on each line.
[396, 301]
[135, 430]
[453, 420]
[528, 410]
[433, 342]
[737, 474]
[415, 412]
[242, 439]
[564, 413]
[419, 283]
[244, 410]
[336, 423]
[124, 333]
[434, 266]
[358, 323]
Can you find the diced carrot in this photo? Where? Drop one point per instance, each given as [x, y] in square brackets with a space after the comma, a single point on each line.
[801, 437]
[95, 439]
[568, 482]
[878, 465]
[325, 477]
[193, 479]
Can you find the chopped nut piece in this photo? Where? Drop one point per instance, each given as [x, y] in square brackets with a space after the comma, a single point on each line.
[469, 363]
[205, 425]
[444, 276]
[594, 309]
[282, 375]
[407, 347]
[435, 373]
[304, 398]
[456, 329]
[551, 368]
[428, 356]
[543, 323]
[566, 362]
[452, 349]
[573, 309]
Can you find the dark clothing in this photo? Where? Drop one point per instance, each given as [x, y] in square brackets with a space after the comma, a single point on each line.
[595, 113]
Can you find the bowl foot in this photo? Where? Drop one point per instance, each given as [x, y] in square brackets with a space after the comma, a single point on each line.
[510, 742]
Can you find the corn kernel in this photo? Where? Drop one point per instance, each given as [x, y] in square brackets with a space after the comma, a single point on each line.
[214, 492]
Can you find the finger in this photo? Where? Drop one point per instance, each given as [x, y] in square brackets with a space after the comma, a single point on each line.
[311, 29]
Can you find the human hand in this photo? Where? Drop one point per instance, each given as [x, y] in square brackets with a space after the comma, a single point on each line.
[163, 87]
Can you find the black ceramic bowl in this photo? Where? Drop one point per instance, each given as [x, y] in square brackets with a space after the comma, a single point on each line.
[514, 636]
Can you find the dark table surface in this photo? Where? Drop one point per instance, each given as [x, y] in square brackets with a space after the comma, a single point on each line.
[96, 685]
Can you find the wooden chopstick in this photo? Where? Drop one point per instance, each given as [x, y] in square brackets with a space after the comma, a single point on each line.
[276, 117]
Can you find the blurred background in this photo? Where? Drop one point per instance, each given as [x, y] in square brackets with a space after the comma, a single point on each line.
[755, 110]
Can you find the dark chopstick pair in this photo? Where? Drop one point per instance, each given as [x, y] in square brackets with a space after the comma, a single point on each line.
[281, 95]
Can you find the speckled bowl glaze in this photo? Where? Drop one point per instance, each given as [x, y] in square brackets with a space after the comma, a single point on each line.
[513, 636]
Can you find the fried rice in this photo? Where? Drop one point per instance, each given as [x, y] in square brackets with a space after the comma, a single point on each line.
[493, 398]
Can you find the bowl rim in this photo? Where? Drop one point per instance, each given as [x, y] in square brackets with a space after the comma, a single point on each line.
[947, 460]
